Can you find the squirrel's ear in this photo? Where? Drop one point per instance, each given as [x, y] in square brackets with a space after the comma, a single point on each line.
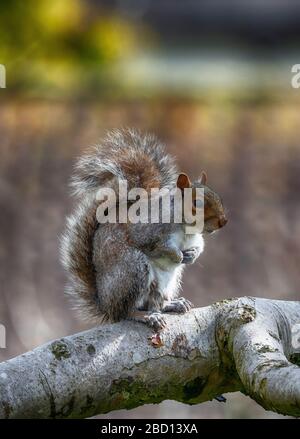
[183, 181]
[203, 178]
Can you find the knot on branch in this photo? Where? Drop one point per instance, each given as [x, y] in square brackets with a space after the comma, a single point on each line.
[233, 314]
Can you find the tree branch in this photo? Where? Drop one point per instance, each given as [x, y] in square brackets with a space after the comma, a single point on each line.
[238, 344]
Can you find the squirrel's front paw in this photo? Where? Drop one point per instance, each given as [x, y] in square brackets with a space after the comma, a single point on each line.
[156, 321]
[179, 306]
[190, 255]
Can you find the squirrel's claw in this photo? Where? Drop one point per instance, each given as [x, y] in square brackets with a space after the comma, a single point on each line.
[156, 321]
[180, 306]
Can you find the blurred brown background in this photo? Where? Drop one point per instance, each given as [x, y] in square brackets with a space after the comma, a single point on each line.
[213, 82]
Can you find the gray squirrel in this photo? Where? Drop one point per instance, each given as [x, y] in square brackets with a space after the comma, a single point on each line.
[124, 270]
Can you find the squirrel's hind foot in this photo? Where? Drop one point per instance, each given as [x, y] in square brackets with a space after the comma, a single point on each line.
[179, 306]
[155, 320]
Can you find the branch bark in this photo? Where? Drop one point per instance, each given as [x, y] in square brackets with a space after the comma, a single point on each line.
[240, 344]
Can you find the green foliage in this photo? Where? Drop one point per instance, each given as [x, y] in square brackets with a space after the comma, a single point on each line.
[51, 47]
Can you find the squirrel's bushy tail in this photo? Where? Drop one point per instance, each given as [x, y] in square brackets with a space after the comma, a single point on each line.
[77, 258]
[126, 155]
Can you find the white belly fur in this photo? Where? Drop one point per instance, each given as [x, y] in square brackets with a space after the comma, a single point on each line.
[167, 273]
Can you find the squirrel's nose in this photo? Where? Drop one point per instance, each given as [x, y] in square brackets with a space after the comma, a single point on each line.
[222, 221]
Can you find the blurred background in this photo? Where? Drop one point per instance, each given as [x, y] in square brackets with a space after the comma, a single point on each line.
[213, 80]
